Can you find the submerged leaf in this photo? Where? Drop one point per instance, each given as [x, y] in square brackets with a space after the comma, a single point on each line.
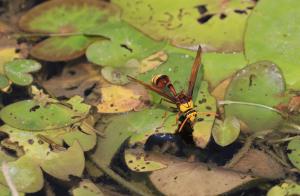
[273, 34]
[258, 83]
[207, 22]
[226, 132]
[183, 178]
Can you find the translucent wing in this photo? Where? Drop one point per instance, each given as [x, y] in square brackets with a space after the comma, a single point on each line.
[195, 69]
[155, 89]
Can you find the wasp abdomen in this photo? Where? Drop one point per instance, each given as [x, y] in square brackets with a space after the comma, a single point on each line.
[161, 81]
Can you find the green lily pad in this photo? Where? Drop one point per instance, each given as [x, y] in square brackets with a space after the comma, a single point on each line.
[62, 48]
[73, 16]
[294, 150]
[87, 188]
[29, 115]
[286, 189]
[4, 82]
[207, 22]
[18, 71]
[4, 191]
[25, 174]
[273, 34]
[125, 43]
[226, 132]
[63, 164]
[57, 163]
[217, 67]
[258, 83]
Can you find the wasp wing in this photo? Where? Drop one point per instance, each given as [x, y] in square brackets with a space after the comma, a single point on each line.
[155, 89]
[194, 72]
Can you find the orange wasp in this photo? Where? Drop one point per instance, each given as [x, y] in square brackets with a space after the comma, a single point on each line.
[183, 101]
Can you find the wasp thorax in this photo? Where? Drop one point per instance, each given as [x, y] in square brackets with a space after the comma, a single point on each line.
[161, 81]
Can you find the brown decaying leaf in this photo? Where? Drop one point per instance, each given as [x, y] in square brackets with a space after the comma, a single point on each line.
[85, 80]
[220, 90]
[183, 178]
[258, 163]
[75, 80]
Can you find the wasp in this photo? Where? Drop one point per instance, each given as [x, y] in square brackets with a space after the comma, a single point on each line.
[162, 85]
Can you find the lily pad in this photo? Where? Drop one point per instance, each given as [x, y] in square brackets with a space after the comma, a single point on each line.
[258, 83]
[18, 71]
[116, 99]
[29, 115]
[125, 43]
[272, 34]
[61, 164]
[87, 188]
[217, 67]
[293, 154]
[62, 48]
[57, 163]
[23, 169]
[72, 16]
[226, 132]
[286, 189]
[207, 22]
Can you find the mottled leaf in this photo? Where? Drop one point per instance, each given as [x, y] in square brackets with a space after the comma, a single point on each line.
[258, 83]
[18, 71]
[218, 25]
[293, 152]
[272, 34]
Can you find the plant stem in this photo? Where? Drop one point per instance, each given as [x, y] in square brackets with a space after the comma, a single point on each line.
[228, 102]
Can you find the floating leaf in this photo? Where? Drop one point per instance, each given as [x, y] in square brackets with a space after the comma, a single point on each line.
[195, 22]
[125, 43]
[226, 132]
[61, 164]
[57, 163]
[62, 48]
[18, 71]
[29, 115]
[218, 67]
[201, 179]
[258, 83]
[272, 35]
[116, 99]
[286, 189]
[133, 67]
[25, 174]
[72, 16]
[294, 150]
[87, 188]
